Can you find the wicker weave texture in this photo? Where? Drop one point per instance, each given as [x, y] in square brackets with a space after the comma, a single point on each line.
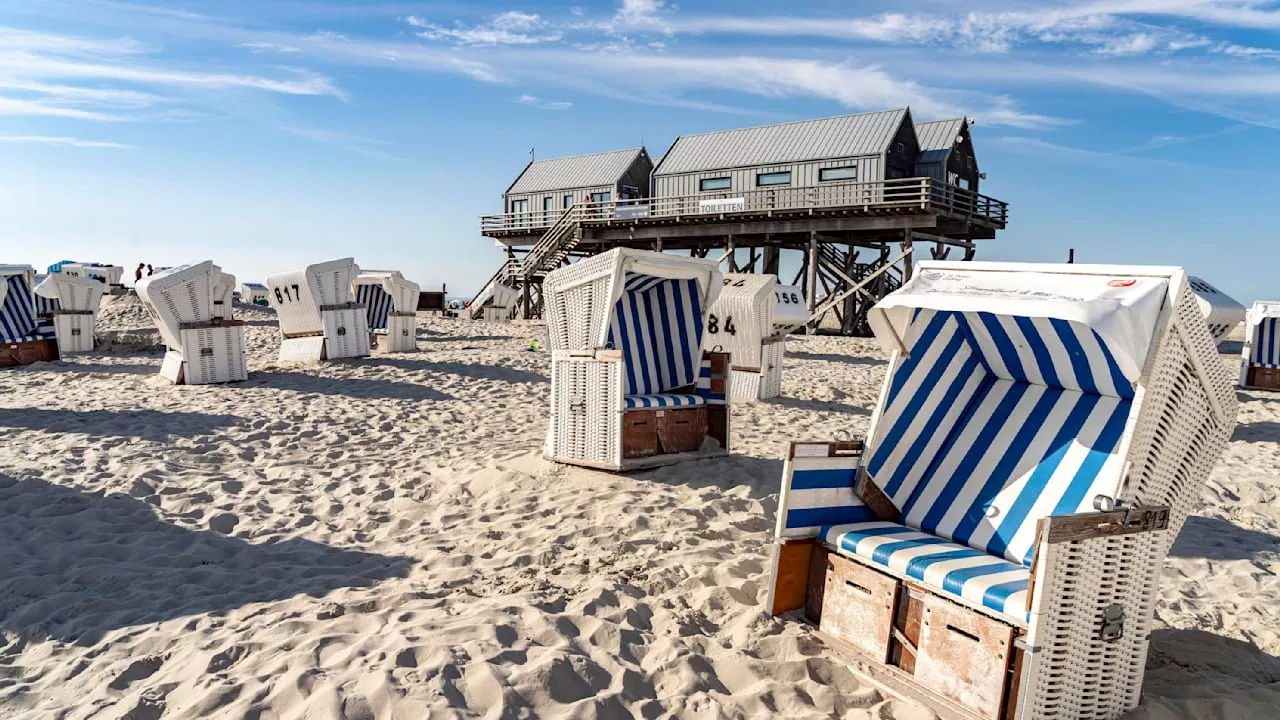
[346, 333]
[74, 332]
[402, 333]
[586, 411]
[214, 355]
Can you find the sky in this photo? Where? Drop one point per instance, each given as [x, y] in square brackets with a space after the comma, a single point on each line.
[268, 134]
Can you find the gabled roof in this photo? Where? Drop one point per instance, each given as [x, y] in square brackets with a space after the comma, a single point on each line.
[937, 138]
[576, 171]
[821, 139]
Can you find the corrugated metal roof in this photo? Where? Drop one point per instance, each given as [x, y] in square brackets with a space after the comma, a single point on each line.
[836, 137]
[574, 172]
[939, 134]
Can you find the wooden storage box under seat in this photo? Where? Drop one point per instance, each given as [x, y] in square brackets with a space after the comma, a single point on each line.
[955, 653]
[25, 353]
[1263, 378]
[662, 431]
[858, 605]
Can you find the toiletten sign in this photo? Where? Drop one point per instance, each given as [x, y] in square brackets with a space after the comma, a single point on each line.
[722, 205]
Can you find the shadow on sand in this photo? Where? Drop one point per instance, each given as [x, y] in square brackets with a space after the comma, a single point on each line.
[1216, 539]
[1262, 431]
[817, 405]
[358, 388]
[844, 359]
[479, 371]
[75, 565]
[1197, 674]
[142, 424]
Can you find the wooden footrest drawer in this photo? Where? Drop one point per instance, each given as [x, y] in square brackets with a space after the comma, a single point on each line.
[857, 606]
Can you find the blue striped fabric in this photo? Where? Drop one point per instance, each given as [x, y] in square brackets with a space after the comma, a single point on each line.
[44, 305]
[821, 494]
[377, 302]
[663, 401]
[993, 423]
[946, 567]
[1266, 344]
[18, 313]
[703, 387]
[657, 324]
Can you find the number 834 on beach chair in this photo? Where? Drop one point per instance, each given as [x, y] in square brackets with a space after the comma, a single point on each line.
[630, 385]
[994, 547]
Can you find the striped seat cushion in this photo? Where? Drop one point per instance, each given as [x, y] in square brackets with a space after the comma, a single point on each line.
[1266, 344]
[657, 324]
[663, 401]
[941, 566]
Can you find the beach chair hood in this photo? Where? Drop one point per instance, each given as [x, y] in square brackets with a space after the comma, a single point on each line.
[1121, 310]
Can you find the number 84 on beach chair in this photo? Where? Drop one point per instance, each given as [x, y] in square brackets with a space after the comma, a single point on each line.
[994, 547]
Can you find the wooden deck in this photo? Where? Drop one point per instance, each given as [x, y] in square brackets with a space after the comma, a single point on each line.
[872, 207]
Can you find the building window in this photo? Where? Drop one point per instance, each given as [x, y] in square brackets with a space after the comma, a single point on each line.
[519, 206]
[899, 148]
[838, 173]
[568, 201]
[773, 178]
[548, 204]
[720, 183]
[600, 197]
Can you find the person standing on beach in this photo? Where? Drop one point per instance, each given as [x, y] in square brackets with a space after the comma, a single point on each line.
[137, 275]
[149, 271]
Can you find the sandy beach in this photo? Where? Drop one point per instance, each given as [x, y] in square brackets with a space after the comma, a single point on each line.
[380, 539]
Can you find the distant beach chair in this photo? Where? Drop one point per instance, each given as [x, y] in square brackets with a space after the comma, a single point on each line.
[995, 547]
[25, 338]
[224, 295]
[496, 304]
[110, 275]
[390, 307]
[255, 294]
[1221, 311]
[203, 347]
[71, 303]
[319, 317]
[630, 385]
[1260, 361]
[746, 322]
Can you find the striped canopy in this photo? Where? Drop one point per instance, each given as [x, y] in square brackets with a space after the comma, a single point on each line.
[1266, 343]
[377, 302]
[18, 317]
[992, 420]
[657, 324]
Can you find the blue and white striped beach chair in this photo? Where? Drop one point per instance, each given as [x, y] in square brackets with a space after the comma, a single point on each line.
[391, 304]
[996, 546]
[630, 385]
[1260, 362]
[25, 336]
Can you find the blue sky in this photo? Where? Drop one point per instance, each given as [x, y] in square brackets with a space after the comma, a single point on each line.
[265, 135]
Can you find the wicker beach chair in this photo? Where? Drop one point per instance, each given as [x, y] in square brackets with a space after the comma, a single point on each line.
[203, 348]
[995, 546]
[390, 307]
[25, 337]
[1260, 361]
[71, 304]
[1221, 311]
[745, 322]
[319, 316]
[630, 386]
[224, 294]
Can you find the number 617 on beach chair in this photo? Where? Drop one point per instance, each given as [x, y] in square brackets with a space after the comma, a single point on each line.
[993, 548]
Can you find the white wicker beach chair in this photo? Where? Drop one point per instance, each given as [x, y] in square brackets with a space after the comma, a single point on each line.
[390, 306]
[496, 304]
[71, 303]
[110, 275]
[630, 386]
[203, 347]
[25, 336]
[1260, 361]
[995, 548]
[745, 322]
[1221, 311]
[224, 294]
[319, 317]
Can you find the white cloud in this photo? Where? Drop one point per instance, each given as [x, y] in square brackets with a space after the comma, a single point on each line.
[1136, 44]
[60, 141]
[508, 28]
[12, 39]
[258, 47]
[37, 108]
[537, 102]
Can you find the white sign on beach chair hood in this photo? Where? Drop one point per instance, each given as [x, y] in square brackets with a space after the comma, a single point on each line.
[1122, 311]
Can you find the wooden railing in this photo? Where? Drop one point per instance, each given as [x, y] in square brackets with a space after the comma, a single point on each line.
[925, 194]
